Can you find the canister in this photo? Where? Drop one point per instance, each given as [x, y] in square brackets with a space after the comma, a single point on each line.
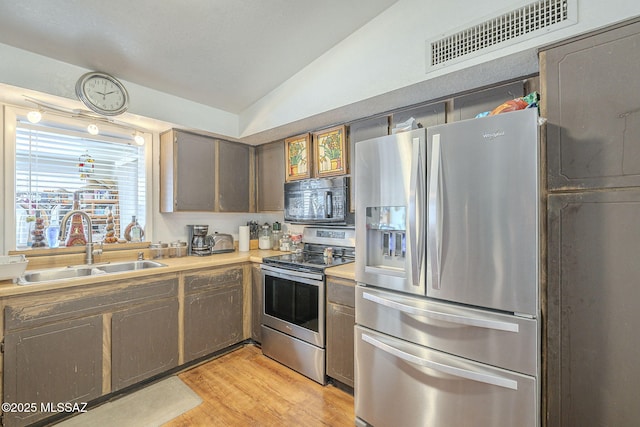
[158, 250]
[178, 249]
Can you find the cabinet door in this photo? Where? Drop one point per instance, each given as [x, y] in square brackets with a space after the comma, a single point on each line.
[361, 131]
[341, 320]
[425, 115]
[213, 316]
[234, 173]
[187, 178]
[60, 362]
[270, 176]
[593, 111]
[592, 332]
[468, 106]
[144, 342]
[256, 303]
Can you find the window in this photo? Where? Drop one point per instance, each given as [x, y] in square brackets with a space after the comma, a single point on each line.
[58, 168]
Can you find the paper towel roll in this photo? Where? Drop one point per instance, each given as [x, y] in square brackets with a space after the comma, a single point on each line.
[243, 238]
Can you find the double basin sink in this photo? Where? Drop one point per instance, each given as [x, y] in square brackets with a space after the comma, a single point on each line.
[37, 276]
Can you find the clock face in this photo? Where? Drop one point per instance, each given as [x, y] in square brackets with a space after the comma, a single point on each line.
[102, 93]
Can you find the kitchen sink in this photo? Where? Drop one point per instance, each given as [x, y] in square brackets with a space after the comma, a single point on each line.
[53, 274]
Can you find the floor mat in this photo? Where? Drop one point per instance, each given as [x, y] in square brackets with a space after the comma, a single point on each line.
[152, 406]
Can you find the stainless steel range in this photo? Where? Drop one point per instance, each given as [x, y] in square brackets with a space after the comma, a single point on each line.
[293, 318]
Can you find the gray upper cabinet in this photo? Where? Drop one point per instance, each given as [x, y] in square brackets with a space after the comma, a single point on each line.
[361, 131]
[204, 174]
[270, 176]
[469, 106]
[591, 89]
[187, 181]
[425, 115]
[234, 177]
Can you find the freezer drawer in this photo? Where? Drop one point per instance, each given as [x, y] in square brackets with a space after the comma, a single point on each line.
[403, 384]
[498, 339]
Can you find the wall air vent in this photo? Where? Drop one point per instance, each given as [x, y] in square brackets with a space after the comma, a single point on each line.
[508, 28]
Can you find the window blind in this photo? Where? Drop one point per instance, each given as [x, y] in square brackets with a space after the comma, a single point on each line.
[57, 170]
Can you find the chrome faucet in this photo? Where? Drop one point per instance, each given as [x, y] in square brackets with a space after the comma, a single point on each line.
[89, 248]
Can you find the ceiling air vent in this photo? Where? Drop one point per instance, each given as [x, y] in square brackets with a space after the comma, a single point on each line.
[508, 28]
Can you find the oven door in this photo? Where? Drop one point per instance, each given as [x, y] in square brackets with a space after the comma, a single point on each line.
[294, 303]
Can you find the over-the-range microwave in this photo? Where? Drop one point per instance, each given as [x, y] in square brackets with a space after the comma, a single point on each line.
[317, 201]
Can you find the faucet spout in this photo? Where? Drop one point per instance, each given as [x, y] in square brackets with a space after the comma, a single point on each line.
[63, 232]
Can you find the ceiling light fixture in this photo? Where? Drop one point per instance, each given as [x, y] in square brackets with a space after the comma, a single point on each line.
[93, 129]
[34, 116]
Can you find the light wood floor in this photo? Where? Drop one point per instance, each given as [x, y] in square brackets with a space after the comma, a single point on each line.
[245, 388]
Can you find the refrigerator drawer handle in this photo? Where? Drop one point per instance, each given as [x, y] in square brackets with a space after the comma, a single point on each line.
[451, 318]
[440, 367]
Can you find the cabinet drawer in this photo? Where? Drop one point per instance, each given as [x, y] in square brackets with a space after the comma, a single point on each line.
[341, 291]
[212, 278]
[475, 334]
[403, 384]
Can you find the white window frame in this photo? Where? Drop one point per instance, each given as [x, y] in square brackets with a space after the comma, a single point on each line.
[7, 203]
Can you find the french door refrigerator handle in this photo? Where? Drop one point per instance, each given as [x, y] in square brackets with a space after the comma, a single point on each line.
[434, 232]
[451, 318]
[415, 212]
[451, 370]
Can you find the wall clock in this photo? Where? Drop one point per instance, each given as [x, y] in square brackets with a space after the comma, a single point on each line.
[102, 93]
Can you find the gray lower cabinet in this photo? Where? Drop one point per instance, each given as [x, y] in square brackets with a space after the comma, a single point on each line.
[59, 362]
[593, 112]
[270, 176]
[144, 342]
[341, 320]
[256, 303]
[593, 293]
[213, 305]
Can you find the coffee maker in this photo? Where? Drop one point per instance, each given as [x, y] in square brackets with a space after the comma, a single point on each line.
[198, 240]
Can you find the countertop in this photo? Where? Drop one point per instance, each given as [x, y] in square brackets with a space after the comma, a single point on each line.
[173, 265]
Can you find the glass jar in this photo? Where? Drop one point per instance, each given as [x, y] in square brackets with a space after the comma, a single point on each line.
[285, 243]
[276, 235]
[158, 250]
[264, 240]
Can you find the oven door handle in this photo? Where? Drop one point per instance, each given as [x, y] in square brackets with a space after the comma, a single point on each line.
[315, 279]
[441, 367]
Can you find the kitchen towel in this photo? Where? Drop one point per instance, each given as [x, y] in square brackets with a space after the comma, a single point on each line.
[243, 244]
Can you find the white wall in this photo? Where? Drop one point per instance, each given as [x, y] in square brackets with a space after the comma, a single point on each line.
[389, 53]
[386, 54]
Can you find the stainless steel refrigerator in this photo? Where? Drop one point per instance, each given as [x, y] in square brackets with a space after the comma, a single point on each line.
[447, 267]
